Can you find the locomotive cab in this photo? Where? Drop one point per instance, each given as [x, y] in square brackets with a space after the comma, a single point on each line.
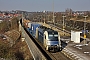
[52, 40]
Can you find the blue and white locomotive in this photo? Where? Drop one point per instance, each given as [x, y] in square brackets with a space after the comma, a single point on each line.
[48, 37]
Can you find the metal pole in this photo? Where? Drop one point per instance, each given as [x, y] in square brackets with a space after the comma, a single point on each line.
[44, 17]
[53, 11]
[54, 19]
[22, 18]
[48, 17]
[63, 24]
[85, 29]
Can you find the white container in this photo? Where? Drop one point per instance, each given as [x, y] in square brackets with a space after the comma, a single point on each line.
[75, 36]
[29, 24]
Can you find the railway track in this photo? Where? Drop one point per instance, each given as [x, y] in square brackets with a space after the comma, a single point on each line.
[59, 56]
[59, 28]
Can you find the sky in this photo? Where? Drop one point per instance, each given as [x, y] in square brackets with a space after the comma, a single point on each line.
[44, 5]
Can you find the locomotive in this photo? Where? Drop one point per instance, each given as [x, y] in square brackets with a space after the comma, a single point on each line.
[49, 38]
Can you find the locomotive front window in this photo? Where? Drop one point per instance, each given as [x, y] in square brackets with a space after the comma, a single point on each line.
[50, 35]
[53, 37]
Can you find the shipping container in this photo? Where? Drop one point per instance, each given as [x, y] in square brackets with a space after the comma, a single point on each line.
[33, 28]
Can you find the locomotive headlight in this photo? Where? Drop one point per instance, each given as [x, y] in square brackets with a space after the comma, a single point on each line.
[57, 45]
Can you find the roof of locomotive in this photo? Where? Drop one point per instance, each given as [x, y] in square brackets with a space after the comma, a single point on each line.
[43, 28]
